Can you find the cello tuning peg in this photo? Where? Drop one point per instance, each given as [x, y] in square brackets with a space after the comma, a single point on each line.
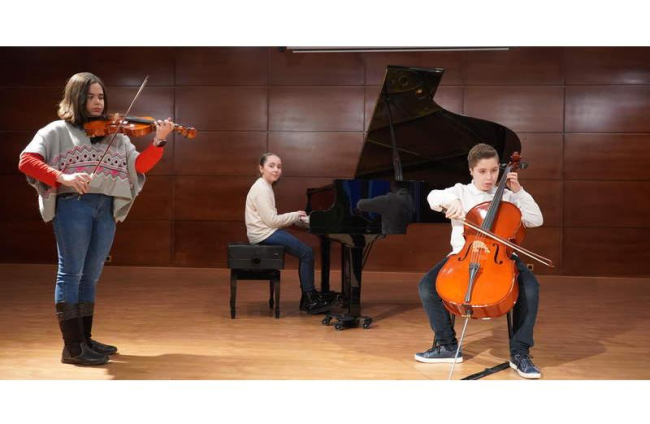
[523, 165]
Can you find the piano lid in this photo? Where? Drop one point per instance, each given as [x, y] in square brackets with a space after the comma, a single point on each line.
[432, 142]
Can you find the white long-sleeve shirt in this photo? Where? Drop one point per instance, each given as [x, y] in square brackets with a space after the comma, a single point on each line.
[261, 216]
[470, 196]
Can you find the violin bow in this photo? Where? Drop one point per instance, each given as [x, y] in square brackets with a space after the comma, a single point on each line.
[110, 142]
[513, 246]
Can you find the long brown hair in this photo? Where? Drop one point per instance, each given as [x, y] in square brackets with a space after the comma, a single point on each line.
[72, 107]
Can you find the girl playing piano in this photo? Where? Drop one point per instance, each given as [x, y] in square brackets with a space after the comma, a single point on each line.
[263, 226]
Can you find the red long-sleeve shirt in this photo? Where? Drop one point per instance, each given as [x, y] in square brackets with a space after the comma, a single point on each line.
[33, 165]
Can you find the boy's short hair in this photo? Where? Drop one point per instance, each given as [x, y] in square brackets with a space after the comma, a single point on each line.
[481, 151]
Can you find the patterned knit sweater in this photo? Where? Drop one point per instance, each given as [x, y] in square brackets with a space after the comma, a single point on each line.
[66, 148]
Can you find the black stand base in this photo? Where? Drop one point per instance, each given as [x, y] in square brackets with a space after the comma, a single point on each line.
[488, 371]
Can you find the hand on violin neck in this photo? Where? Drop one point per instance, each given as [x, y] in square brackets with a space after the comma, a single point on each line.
[513, 182]
[454, 210]
[163, 128]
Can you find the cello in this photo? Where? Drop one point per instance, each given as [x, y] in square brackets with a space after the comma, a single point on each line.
[480, 281]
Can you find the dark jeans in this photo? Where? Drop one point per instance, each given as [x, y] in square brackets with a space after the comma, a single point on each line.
[84, 229]
[524, 312]
[300, 250]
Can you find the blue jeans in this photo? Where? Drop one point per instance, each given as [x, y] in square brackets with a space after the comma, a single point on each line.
[84, 229]
[300, 250]
[524, 311]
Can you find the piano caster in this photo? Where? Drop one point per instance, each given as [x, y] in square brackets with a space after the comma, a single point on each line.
[346, 321]
[367, 322]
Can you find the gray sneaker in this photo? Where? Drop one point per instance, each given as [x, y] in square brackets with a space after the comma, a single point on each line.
[524, 366]
[440, 354]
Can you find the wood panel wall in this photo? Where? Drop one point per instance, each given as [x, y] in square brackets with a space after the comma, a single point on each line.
[581, 114]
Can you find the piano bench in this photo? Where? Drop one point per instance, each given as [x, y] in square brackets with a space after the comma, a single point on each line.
[255, 262]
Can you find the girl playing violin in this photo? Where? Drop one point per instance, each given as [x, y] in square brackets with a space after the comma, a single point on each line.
[456, 201]
[84, 206]
[263, 226]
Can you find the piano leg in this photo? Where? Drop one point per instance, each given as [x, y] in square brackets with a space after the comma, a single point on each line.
[351, 270]
[353, 258]
[325, 249]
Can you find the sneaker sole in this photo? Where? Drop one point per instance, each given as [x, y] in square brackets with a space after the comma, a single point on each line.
[529, 375]
[439, 360]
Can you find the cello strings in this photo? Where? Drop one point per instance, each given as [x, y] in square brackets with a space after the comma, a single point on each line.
[478, 245]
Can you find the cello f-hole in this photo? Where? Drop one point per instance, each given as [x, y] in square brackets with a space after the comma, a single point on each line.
[460, 259]
[496, 253]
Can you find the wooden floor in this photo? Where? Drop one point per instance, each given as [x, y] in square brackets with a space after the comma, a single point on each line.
[174, 323]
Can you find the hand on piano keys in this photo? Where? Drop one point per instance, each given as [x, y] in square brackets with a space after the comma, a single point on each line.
[304, 221]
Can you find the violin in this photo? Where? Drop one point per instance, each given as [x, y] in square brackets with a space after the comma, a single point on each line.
[131, 126]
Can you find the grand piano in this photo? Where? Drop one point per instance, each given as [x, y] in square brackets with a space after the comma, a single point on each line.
[412, 146]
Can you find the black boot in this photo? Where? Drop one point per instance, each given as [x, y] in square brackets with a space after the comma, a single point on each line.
[86, 310]
[75, 351]
[330, 297]
[303, 302]
[313, 303]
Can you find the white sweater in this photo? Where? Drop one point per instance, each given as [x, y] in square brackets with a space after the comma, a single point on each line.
[470, 196]
[261, 216]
